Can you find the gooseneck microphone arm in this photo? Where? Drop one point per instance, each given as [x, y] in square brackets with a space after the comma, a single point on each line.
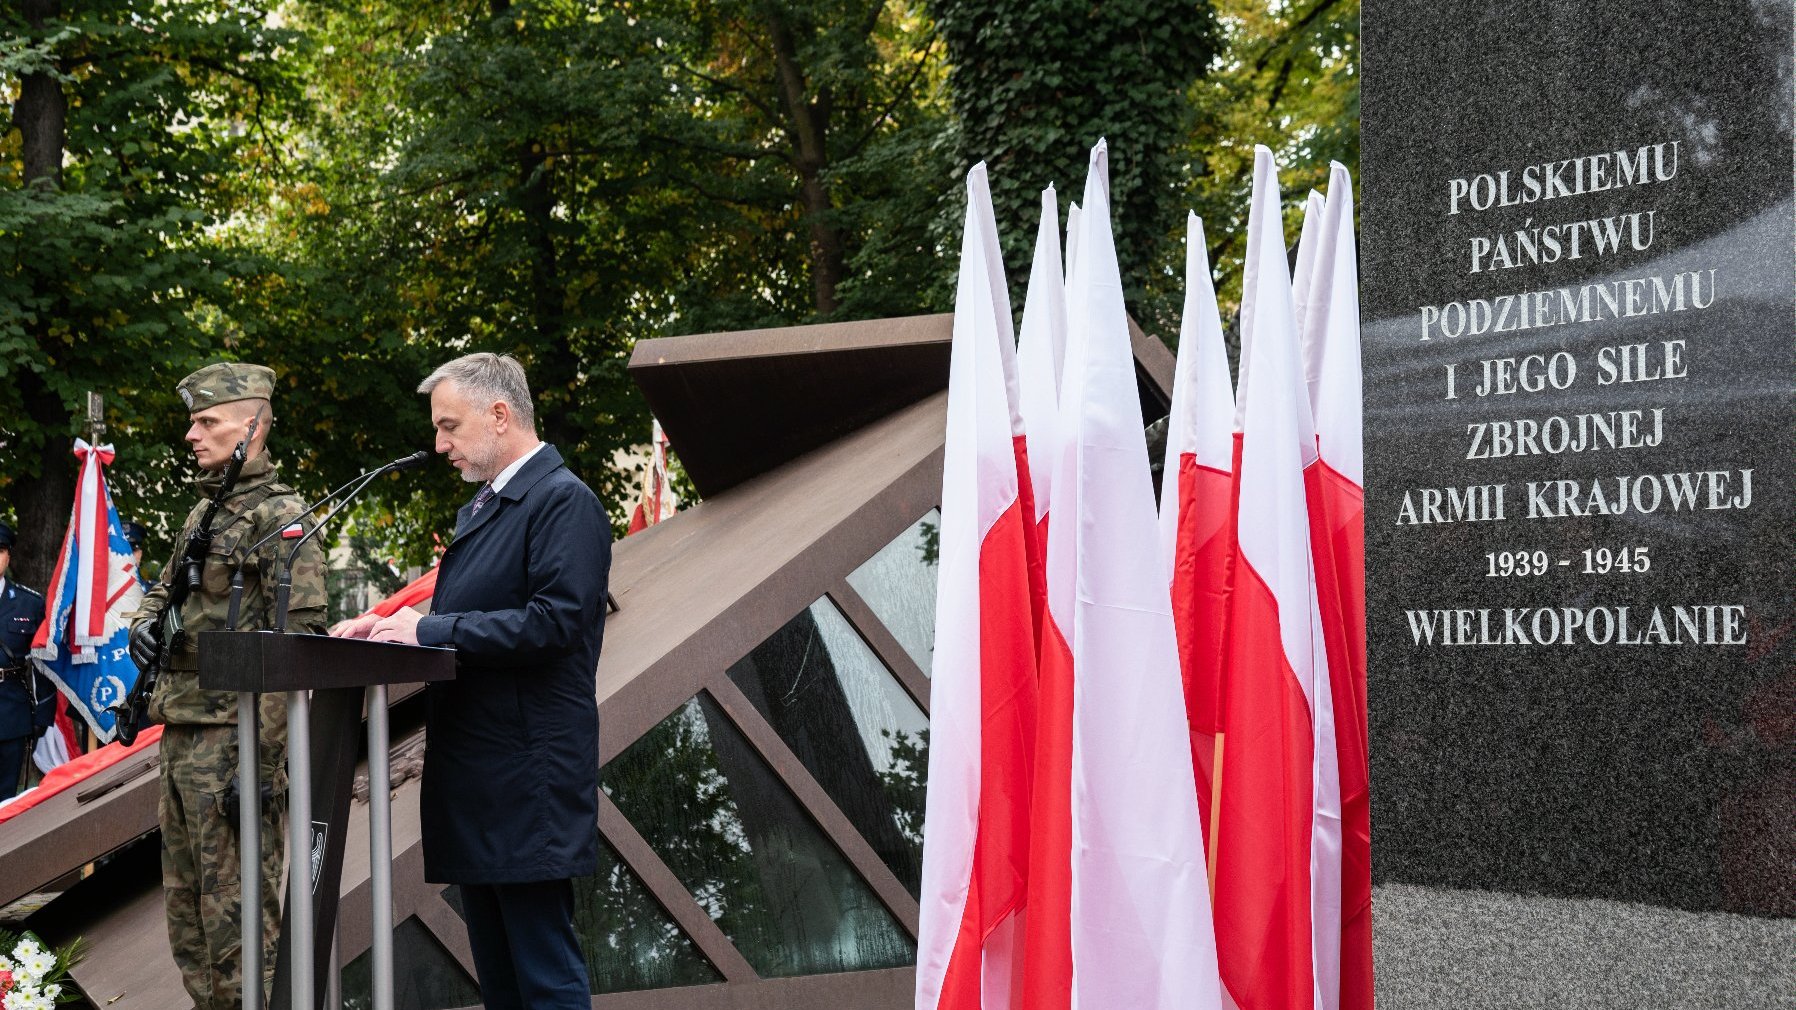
[354, 487]
[284, 588]
[237, 573]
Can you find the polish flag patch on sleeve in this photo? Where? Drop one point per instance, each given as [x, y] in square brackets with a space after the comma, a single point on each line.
[292, 531]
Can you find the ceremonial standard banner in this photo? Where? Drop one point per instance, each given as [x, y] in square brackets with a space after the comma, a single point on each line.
[82, 644]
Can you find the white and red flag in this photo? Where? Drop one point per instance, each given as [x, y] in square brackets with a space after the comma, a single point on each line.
[1072, 238]
[1304, 270]
[1331, 351]
[657, 500]
[1138, 920]
[1197, 529]
[1267, 830]
[1326, 843]
[1048, 931]
[979, 192]
[982, 699]
[1041, 355]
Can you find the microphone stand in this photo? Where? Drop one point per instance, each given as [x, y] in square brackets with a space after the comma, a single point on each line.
[354, 486]
[283, 590]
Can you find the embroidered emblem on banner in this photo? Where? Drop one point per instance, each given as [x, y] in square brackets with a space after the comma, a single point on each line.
[319, 830]
[107, 691]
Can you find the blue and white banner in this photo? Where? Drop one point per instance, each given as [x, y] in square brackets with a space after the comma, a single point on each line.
[83, 644]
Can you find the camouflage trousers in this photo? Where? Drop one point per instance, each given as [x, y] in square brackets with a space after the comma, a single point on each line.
[200, 860]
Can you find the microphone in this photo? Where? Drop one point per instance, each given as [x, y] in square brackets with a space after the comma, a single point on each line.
[354, 486]
[412, 462]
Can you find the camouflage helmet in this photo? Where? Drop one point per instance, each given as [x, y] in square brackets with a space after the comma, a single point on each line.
[226, 382]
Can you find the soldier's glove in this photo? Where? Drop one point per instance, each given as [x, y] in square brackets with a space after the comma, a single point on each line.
[144, 646]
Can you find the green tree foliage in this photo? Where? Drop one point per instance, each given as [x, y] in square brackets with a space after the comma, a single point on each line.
[137, 129]
[558, 180]
[353, 191]
[422, 214]
[821, 119]
[1035, 85]
[1288, 78]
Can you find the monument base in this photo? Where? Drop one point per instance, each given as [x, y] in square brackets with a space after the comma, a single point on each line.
[1439, 947]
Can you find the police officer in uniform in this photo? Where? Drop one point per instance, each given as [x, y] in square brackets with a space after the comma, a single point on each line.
[27, 698]
[136, 535]
[200, 799]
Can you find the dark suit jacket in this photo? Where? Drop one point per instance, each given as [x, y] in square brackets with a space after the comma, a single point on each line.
[21, 611]
[511, 763]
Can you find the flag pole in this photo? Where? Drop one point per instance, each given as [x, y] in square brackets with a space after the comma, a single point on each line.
[96, 431]
[1215, 808]
[96, 417]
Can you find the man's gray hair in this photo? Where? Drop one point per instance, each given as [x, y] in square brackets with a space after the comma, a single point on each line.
[490, 377]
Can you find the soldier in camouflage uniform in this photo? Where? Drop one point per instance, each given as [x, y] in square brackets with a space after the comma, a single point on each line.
[199, 742]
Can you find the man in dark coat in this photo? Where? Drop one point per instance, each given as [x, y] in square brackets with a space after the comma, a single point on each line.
[510, 793]
[27, 698]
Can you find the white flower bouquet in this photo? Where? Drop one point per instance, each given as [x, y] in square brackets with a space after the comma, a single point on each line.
[32, 976]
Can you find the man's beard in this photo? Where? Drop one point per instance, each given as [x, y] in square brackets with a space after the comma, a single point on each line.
[480, 467]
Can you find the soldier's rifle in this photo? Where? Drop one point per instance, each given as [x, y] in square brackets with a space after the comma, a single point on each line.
[169, 632]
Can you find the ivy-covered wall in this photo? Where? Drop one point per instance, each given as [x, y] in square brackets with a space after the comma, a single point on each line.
[1035, 84]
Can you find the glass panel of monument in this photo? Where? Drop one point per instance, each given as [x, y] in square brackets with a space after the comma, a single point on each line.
[752, 858]
[627, 937]
[425, 976]
[898, 584]
[847, 719]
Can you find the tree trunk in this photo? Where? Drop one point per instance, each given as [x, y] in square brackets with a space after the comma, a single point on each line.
[41, 110]
[41, 114]
[555, 368]
[828, 260]
[809, 125]
[555, 364]
[44, 501]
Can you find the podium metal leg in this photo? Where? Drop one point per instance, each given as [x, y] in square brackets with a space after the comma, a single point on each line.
[380, 847]
[333, 983]
[299, 847]
[249, 843]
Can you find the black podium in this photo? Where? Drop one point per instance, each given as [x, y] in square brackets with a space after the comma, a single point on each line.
[325, 681]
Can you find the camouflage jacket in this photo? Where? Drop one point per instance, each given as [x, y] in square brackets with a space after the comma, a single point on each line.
[257, 506]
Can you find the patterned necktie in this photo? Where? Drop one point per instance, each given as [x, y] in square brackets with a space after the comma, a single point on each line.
[485, 495]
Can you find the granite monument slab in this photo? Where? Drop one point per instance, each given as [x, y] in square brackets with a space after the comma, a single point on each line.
[1579, 310]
